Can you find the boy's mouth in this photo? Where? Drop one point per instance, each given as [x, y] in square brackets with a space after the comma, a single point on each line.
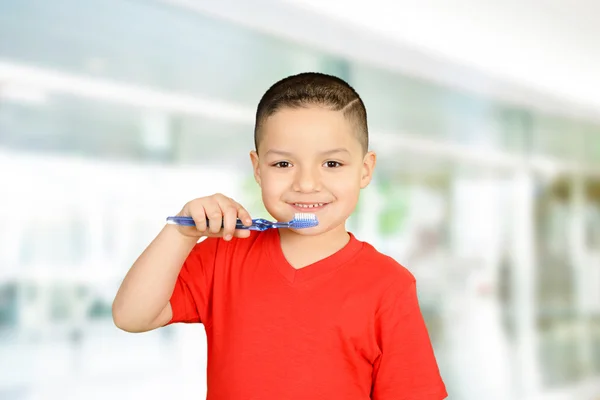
[309, 206]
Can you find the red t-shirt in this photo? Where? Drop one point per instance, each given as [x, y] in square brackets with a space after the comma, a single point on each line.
[346, 327]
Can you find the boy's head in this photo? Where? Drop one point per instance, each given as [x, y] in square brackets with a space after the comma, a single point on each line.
[313, 89]
[311, 155]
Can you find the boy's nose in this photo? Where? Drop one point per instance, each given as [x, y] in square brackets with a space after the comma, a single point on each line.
[307, 181]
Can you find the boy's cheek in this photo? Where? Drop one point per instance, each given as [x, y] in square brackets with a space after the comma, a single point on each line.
[274, 186]
[343, 183]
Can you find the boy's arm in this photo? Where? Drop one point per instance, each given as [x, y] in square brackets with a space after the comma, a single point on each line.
[166, 284]
[407, 368]
[142, 302]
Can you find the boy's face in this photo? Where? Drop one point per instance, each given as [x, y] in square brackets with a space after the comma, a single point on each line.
[311, 162]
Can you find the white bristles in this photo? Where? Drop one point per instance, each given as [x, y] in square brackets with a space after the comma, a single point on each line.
[304, 217]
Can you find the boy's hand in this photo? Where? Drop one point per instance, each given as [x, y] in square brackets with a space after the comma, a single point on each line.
[220, 211]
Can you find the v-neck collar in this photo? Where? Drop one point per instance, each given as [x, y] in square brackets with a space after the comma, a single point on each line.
[318, 268]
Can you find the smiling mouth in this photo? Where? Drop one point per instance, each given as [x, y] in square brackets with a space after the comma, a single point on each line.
[309, 206]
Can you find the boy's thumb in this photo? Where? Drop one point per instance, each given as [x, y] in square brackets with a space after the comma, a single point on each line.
[242, 233]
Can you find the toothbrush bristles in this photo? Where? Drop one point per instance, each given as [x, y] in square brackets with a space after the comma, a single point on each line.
[304, 220]
[304, 216]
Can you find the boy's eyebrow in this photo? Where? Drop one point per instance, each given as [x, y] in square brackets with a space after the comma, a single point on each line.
[324, 153]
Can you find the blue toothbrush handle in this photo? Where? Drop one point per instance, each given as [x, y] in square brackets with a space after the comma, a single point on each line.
[189, 221]
[257, 224]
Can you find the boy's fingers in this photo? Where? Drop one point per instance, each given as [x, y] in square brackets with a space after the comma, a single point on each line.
[243, 215]
[229, 221]
[242, 233]
[199, 218]
[215, 217]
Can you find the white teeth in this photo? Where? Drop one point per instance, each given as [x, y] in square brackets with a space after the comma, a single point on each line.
[309, 205]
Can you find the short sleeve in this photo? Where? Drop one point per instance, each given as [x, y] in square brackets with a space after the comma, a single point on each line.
[192, 293]
[407, 368]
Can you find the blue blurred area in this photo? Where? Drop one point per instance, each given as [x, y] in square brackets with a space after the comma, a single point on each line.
[115, 113]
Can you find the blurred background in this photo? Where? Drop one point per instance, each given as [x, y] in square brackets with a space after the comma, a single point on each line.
[485, 115]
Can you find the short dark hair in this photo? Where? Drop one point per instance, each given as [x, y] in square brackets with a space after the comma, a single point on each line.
[313, 88]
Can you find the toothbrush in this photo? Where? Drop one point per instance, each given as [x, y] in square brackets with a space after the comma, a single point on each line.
[301, 220]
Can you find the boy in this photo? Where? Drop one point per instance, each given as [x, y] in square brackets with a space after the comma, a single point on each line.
[291, 314]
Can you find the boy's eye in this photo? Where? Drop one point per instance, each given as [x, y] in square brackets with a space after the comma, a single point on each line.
[333, 164]
[282, 164]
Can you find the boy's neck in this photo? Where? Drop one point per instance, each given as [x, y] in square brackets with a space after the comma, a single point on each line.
[295, 247]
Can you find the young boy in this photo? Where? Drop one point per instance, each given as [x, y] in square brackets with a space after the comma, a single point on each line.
[291, 314]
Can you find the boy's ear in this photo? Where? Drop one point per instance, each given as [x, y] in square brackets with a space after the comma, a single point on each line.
[254, 160]
[369, 162]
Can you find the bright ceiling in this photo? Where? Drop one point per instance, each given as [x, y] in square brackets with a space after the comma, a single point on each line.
[548, 46]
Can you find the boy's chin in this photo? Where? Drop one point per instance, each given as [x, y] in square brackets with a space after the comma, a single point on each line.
[319, 230]
[314, 231]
